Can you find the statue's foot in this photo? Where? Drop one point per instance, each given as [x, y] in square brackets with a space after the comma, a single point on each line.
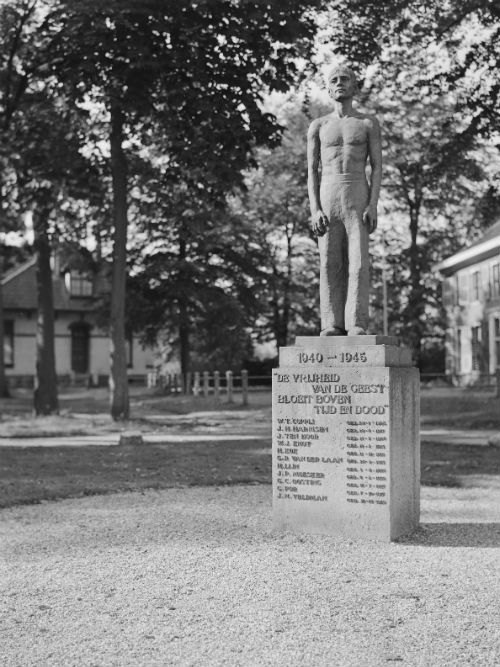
[357, 331]
[333, 331]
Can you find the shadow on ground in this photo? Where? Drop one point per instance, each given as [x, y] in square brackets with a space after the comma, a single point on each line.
[484, 535]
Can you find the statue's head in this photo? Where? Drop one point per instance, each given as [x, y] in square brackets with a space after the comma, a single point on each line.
[341, 82]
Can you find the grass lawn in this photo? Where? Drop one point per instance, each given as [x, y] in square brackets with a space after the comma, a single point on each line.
[34, 474]
[459, 408]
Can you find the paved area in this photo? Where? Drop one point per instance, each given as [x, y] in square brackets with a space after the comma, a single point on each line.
[457, 436]
[114, 439]
[198, 577]
[197, 434]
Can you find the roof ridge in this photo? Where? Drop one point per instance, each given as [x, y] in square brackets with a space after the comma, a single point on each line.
[13, 273]
[489, 233]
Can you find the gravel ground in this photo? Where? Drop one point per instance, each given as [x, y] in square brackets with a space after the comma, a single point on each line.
[197, 577]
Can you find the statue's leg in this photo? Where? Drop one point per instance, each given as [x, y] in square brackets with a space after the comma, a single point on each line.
[356, 310]
[333, 267]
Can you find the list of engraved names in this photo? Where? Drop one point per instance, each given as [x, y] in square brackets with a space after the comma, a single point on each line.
[338, 437]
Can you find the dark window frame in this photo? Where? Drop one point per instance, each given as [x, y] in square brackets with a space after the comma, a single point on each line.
[476, 345]
[8, 337]
[495, 280]
[459, 350]
[80, 284]
[129, 350]
[476, 285]
[463, 289]
[80, 348]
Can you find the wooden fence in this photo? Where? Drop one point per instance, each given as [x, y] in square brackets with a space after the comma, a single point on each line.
[203, 384]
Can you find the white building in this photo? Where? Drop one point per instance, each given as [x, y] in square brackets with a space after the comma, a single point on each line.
[471, 296]
[81, 346]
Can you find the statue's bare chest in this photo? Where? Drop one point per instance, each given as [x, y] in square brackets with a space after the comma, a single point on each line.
[343, 131]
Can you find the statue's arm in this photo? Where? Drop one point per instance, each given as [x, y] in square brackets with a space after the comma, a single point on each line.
[375, 156]
[319, 221]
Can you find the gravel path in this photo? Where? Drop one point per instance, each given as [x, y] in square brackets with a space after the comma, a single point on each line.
[197, 577]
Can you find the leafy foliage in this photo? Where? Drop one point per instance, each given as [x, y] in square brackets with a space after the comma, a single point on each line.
[191, 283]
[184, 81]
[461, 36]
[275, 209]
[419, 62]
[194, 73]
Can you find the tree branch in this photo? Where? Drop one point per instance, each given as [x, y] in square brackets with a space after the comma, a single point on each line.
[11, 106]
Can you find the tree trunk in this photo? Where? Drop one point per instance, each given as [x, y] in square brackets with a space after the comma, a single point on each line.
[415, 300]
[287, 286]
[183, 317]
[279, 330]
[45, 394]
[184, 337]
[4, 386]
[281, 326]
[118, 379]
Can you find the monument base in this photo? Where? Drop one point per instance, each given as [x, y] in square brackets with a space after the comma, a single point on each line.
[346, 443]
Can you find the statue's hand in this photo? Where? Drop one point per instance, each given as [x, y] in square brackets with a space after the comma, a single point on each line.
[370, 218]
[319, 223]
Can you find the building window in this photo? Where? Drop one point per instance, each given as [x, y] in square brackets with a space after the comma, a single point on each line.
[8, 343]
[494, 280]
[129, 350]
[476, 348]
[78, 283]
[497, 341]
[449, 292]
[463, 288]
[476, 286]
[80, 339]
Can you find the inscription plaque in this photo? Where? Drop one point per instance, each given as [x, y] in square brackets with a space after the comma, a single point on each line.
[345, 442]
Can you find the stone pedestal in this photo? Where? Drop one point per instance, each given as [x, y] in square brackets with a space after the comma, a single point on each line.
[346, 444]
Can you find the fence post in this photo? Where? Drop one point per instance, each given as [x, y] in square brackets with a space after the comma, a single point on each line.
[229, 387]
[196, 384]
[244, 386]
[216, 384]
[206, 383]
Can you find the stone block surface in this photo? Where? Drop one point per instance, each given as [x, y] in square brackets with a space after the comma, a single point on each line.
[346, 439]
[367, 339]
[347, 355]
[131, 438]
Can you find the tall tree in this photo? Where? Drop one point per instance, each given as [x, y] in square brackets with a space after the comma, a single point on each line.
[431, 121]
[48, 170]
[197, 71]
[194, 278]
[429, 175]
[17, 34]
[275, 209]
[45, 394]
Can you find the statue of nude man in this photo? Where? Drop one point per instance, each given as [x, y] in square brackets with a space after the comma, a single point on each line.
[343, 205]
